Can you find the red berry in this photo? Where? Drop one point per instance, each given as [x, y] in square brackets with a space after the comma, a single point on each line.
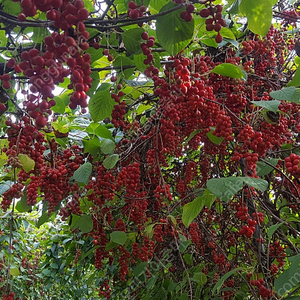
[22, 17]
[6, 85]
[82, 14]
[145, 36]
[132, 5]
[190, 8]
[204, 13]
[11, 63]
[40, 121]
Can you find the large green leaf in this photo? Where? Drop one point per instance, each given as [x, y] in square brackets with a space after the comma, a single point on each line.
[272, 229]
[22, 205]
[83, 173]
[290, 93]
[110, 161]
[263, 169]
[296, 78]
[27, 163]
[214, 139]
[269, 105]
[290, 278]
[84, 223]
[107, 146]
[173, 33]
[226, 188]
[259, 15]
[191, 210]
[229, 70]
[257, 183]
[101, 104]
[118, 237]
[219, 284]
[132, 40]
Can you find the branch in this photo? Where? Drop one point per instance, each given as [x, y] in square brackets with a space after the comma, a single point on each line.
[11, 19]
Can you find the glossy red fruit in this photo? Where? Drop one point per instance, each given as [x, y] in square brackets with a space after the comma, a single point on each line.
[132, 5]
[21, 17]
[218, 38]
[40, 121]
[82, 14]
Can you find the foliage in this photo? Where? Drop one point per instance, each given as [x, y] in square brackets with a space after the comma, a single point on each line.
[150, 149]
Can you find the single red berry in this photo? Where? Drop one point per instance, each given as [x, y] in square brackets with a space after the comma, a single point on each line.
[132, 5]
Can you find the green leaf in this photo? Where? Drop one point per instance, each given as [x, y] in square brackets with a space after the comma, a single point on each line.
[259, 15]
[149, 230]
[291, 94]
[92, 146]
[139, 62]
[235, 7]
[132, 40]
[199, 277]
[296, 78]
[225, 188]
[272, 229]
[101, 104]
[103, 132]
[257, 183]
[83, 173]
[122, 61]
[150, 284]
[192, 210]
[209, 198]
[290, 278]
[60, 105]
[229, 70]
[118, 237]
[5, 186]
[227, 33]
[140, 269]
[263, 169]
[269, 105]
[27, 163]
[188, 258]
[192, 134]
[11, 7]
[22, 205]
[110, 161]
[14, 271]
[84, 223]
[155, 6]
[214, 139]
[219, 284]
[183, 296]
[39, 34]
[107, 146]
[173, 33]
[43, 219]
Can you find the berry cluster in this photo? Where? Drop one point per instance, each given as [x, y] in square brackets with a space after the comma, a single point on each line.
[187, 14]
[134, 12]
[64, 55]
[292, 164]
[5, 78]
[277, 252]
[150, 41]
[109, 56]
[262, 290]
[9, 296]
[214, 20]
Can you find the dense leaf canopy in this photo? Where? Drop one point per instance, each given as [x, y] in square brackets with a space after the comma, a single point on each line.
[149, 149]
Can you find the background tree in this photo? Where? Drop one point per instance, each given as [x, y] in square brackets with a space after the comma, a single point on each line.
[155, 146]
